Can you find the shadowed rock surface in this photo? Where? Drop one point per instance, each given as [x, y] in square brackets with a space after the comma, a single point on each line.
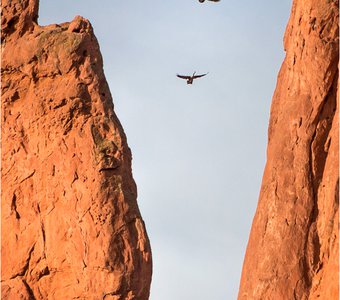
[71, 227]
[293, 246]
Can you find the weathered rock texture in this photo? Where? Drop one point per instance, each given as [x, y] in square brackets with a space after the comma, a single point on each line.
[293, 246]
[71, 227]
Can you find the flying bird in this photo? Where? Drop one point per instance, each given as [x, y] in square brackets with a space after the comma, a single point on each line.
[190, 79]
[209, 0]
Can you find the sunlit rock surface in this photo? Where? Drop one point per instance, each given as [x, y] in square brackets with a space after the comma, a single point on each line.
[71, 227]
[293, 246]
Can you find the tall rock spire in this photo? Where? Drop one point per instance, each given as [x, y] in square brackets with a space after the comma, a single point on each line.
[71, 227]
[293, 246]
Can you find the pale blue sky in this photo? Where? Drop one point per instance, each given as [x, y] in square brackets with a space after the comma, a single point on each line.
[198, 151]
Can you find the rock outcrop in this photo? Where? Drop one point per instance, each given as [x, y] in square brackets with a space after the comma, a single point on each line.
[293, 246]
[71, 227]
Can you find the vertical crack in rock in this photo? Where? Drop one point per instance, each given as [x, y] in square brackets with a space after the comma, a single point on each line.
[29, 290]
[318, 155]
[292, 251]
[69, 200]
[14, 206]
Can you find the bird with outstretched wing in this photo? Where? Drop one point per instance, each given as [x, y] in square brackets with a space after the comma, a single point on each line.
[190, 79]
[209, 0]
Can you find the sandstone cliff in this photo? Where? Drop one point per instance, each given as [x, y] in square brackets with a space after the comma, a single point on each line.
[71, 227]
[293, 246]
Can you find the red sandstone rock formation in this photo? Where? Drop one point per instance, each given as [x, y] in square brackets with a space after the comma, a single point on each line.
[71, 227]
[293, 246]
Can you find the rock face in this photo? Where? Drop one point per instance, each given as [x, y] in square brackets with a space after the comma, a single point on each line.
[293, 246]
[71, 227]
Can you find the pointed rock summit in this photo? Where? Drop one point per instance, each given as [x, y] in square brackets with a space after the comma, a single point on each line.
[292, 251]
[71, 227]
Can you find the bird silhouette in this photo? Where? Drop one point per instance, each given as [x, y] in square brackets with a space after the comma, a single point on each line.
[190, 79]
[209, 0]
